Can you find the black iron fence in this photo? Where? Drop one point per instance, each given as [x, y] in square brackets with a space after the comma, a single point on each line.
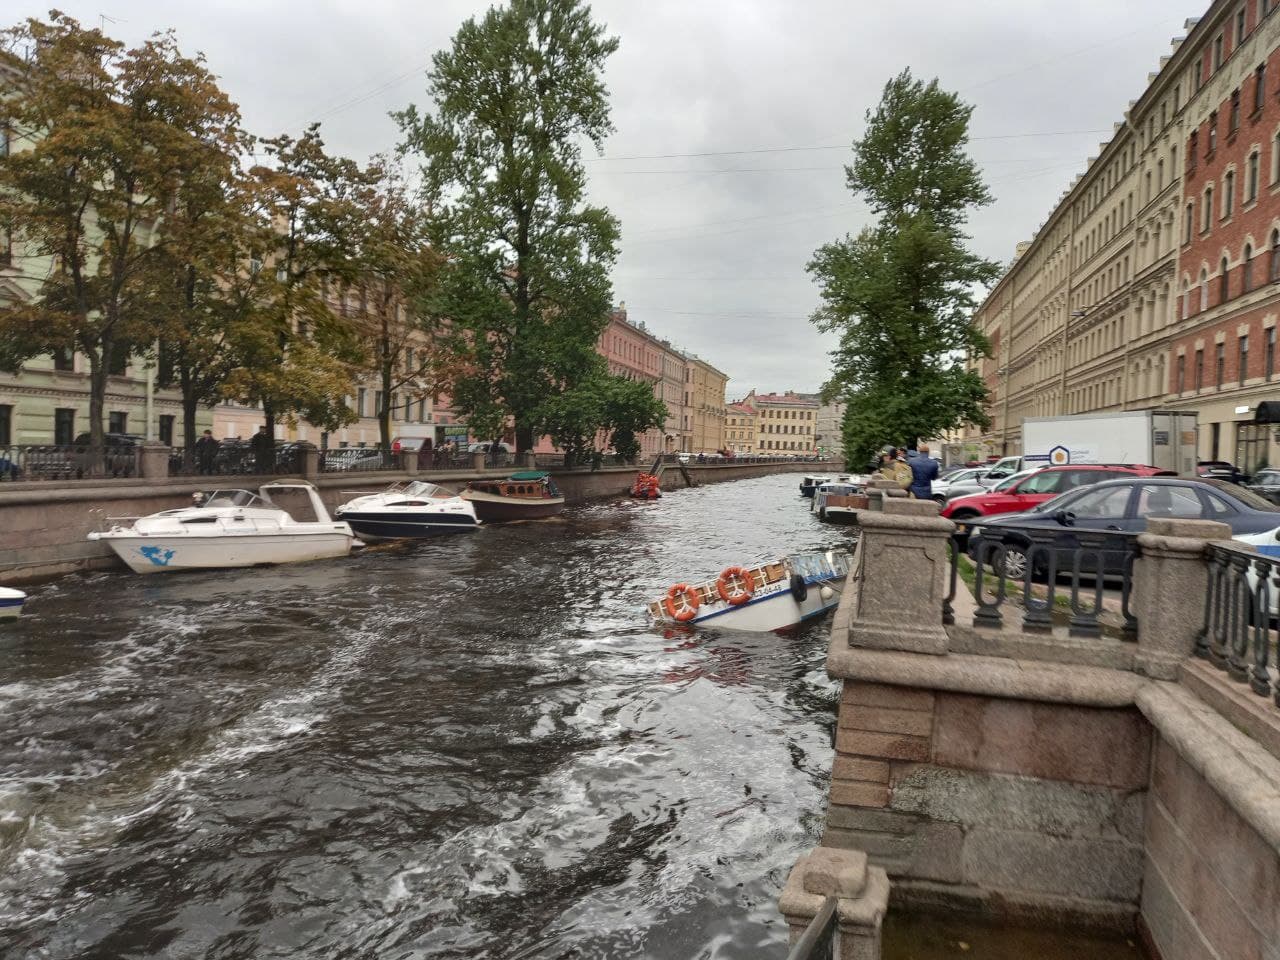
[234, 458]
[52, 461]
[819, 939]
[1054, 575]
[1242, 599]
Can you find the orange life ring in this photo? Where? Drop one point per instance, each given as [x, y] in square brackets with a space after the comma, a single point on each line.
[735, 585]
[682, 602]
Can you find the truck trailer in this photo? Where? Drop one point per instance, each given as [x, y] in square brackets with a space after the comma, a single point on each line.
[1156, 438]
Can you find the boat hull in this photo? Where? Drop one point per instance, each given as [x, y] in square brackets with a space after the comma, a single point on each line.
[776, 609]
[495, 509]
[11, 602]
[392, 526]
[167, 554]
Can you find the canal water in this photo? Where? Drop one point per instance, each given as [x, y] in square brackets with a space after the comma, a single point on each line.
[470, 748]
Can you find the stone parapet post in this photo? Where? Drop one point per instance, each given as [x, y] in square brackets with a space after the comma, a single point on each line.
[154, 460]
[879, 491]
[902, 574]
[409, 462]
[527, 459]
[862, 898]
[308, 459]
[1170, 581]
[478, 461]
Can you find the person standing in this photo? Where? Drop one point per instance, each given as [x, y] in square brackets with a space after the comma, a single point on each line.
[894, 468]
[924, 470]
[206, 453]
[263, 448]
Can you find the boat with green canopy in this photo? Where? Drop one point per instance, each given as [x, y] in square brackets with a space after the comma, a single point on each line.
[528, 495]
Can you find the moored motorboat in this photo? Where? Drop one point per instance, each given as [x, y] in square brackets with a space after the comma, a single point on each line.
[412, 510]
[227, 529]
[770, 596]
[531, 495]
[11, 602]
[838, 501]
[809, 484]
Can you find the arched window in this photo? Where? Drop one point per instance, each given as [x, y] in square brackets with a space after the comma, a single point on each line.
[1204, 289]
[1246, 270]
[1224, 281]
[1186, 299]
[1273, 273]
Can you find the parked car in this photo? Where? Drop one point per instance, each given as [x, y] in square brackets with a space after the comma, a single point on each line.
[1037, 487]
[119, 454]
[352, 458]
[1124, 506]
[1266, 484]
[485, 446]
[1219, 470]
[965, 476]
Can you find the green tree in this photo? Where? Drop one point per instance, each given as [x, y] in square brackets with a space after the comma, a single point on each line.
[604, 408]
[901, 294]
[527, 292]
[107, 136]
[630, 409]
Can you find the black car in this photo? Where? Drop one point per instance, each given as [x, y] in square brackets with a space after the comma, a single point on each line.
[119, 454]
[1266, 483]
[1122, 506]
[1218, 470]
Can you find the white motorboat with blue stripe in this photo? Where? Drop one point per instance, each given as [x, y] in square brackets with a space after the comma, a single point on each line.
[11, 602]
[226, 529]
[411, 510]
[768, 596]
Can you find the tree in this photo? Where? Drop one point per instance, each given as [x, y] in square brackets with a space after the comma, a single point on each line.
[604, 408]
[396, 271]
[630, 409]
[527, 292]
[295, 350]
[901, 294]
[109, 133]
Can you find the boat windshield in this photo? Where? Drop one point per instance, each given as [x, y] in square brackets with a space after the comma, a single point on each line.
[229, 498]
[422, 489]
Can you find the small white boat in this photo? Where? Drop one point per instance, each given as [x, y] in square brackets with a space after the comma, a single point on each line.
[839, 500]
[11, 602]
[410, 510]
[770, 596]
[809, 484]
[227, 529]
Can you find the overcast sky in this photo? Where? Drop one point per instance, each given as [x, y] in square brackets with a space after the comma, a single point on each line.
[714, 243]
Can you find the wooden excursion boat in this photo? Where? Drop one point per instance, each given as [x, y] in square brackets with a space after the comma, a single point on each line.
[530, 495]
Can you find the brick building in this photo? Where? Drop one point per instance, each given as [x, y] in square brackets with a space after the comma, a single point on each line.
[1152, 281]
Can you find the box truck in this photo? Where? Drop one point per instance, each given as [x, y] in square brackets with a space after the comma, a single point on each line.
[1157, 438]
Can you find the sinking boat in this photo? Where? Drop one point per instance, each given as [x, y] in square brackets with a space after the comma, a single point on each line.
[226, 529]
[531, 495]
[838, 501]
[770, 596]
[11, 602]
[413, 510]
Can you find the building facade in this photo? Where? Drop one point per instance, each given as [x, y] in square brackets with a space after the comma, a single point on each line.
[703, 413]
[631, 350]
[1152, 283]
[740, 428]
[786, 423]
[829, 430]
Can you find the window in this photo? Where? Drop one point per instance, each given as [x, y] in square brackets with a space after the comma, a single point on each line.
[64, 426]
[1275, 159]
[6, 425]
[1050, 481]
[118, 362]
[1167, 500]
[6, 245]
[1180, 379]
[1190, 224]
[1224, 281]
[166, 429]
[1244, 358]
[1206, 214]
[1219, 364]
[1259, 86]
[1240, 26]
[1228, 194]
[1273, 271]
[1233, 120]
[1217, 53]
[1104, 504]
[63, 359]
[1271, 353]
[377, 403]
[1193, 150]
[1213, 134]
[1204, 290]
[117, 422]
[1251, 181]
[360, 398]
[1246, 270]
[1199, 370]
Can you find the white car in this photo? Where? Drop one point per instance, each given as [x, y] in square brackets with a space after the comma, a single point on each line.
[974, 475]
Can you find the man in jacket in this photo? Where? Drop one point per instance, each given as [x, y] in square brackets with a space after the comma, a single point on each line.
[206, 452]
[895, 469]
[924, 470]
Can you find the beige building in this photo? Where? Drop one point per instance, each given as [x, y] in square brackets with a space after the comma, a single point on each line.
[704, 412]
[785, 422]
[740, 428]
[1147, 284]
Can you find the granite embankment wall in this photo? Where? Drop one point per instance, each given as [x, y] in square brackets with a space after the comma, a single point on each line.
[1046, 777]
[43, 525]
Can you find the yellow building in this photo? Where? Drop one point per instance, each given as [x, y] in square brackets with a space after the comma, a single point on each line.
[740, 428]
[786, 423]
[704, 413]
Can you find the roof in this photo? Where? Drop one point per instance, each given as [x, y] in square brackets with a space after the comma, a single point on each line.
[788, 399]
[742, 408]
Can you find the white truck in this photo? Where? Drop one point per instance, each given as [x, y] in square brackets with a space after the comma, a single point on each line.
[1157, 438]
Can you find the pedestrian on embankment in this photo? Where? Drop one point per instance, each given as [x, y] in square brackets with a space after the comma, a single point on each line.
[924, 470]
[206, 453]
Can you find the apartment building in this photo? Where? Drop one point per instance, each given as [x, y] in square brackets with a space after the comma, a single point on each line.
[740, 428]
[631, 350]
[1151, 282]
[785, 422]
[703, 413]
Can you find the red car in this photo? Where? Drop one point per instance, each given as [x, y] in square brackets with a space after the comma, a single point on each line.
[1024, 492]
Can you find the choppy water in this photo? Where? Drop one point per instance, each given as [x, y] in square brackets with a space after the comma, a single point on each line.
[474, 747]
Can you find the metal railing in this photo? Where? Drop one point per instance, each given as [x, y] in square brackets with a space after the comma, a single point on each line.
[1240, 603]
[1011, 560]
[358, 460]
[70, 461]
[233, 458]
[819, 939]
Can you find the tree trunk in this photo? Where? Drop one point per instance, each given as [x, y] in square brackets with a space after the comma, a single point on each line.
[98, 364]
[269, 462]
[189, 405]
[384, 415]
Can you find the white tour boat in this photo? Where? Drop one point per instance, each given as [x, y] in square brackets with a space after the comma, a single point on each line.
[11, 602]
[411, 510]
[770, 596]
[225, 529]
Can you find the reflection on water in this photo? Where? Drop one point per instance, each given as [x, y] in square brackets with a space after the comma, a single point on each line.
[474, 747]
